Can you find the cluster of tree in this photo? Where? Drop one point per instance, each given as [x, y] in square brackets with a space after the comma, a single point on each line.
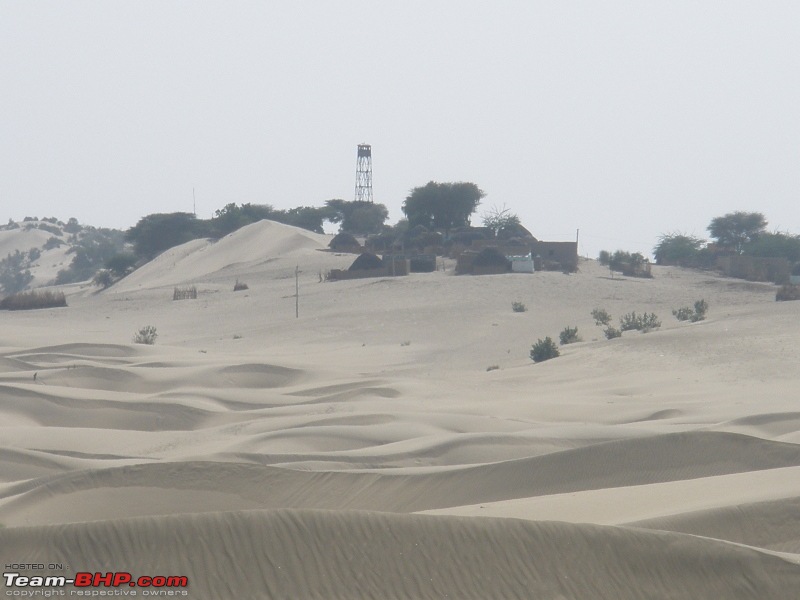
[15, 273]
[92, 248]
[734, 233]
[156, 233]
[442, 206]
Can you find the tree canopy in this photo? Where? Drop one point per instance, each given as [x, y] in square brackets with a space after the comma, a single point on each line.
[442, 205]
[160, 231]
[358, 217]
[498, 219]
[734, 230]
[677, 249]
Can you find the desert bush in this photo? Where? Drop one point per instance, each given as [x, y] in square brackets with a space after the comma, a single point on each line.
[612, 332]
[189, 293]
[33, 300]
[788, 292]
[601, 316]
[569, 336]
[687, 314]
[239, 286]
[700, 310]
[544, 349]
[644, 323]
[518, 307]
[492, 367]
[146, 335]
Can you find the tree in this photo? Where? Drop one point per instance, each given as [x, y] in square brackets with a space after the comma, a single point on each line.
[158, 232]
[358, 216]
[736, 229]
[498, 219]
[678, 249]
[442, 205]
[775, 245]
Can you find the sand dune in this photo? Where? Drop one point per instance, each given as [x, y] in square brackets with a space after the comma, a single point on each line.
[319, 554]
[624, 468]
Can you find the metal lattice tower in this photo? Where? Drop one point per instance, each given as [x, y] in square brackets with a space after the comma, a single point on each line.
[364, 173]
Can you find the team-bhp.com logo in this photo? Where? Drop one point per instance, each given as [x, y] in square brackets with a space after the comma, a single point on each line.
[89, 584]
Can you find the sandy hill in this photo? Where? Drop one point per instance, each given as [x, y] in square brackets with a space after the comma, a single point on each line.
[248, 248]
[396, 441]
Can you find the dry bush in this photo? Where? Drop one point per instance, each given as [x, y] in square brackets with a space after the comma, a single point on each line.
[146, 335]
[33, 300]
[239, 286]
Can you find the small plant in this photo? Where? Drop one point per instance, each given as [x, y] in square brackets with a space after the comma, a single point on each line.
[146, 335]
[569, 336]
[612, 332]
[601, 316]
[33, 300]
[406, 343]
[518, 307]
[189, 293]
[788, 292]
[236, 336]
[493, 368]
[544, 349]
[239, 286]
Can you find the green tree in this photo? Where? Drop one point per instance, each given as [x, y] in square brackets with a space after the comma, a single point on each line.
[775, 245]
[357, 216]
[736, 229]
[442, 206]
[158, 232]
[678, 249]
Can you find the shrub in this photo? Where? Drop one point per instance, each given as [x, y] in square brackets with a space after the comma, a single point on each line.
[612, 332]
[569, 336]
[239, 286]
[33, 300]
[492, 367]
[601, 317]
[518, 307]
[700, 310]
[644, 323]
[687, 314]
[544, 349]
[788, 292]
[146, 335]
[189, 293]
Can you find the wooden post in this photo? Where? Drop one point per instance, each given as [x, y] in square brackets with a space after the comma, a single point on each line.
[297, 292]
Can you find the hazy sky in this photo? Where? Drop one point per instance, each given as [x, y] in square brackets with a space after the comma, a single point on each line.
[623, 119]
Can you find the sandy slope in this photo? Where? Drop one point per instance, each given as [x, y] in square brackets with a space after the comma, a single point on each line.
[377, 398]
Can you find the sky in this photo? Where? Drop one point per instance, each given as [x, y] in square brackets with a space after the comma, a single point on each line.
[622, 120]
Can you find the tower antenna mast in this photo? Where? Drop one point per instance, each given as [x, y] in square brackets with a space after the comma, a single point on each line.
[364, 173]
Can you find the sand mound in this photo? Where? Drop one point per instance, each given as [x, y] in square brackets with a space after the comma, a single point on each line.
[196, 261]
[320, 554]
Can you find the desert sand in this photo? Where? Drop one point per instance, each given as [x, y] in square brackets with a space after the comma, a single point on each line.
[365, 449]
